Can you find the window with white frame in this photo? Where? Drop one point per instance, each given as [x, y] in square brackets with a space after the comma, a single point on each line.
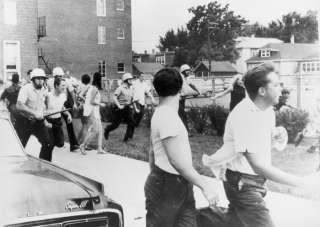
[102, 39]
[120, 5]
[101, 8]
[11, 57]
[10, 12]
[254, 52]
[311, 67]
[265, 53]
[102, 68]
[120, 68]
[120, 33]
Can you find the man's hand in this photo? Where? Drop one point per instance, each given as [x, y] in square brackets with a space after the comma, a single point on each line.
[210, 193]
[102, 104]
[69, 118]
[120, 107]
[38, 116]
[47, 124]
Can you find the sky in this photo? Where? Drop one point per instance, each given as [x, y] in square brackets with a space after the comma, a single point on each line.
[152, 18]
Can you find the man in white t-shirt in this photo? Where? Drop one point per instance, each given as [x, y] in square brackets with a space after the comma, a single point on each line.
[70, 103]
[140, 90]
[247, 150]
[56, 99]
[168, 188]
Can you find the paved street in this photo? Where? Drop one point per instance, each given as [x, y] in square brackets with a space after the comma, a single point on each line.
[124, 179]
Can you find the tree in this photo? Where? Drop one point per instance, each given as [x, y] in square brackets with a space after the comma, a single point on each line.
[212, 31]
[173, 40]
[192, 44]
[304, 28]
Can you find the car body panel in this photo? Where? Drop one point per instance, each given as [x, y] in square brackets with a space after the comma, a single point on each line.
[34, 189]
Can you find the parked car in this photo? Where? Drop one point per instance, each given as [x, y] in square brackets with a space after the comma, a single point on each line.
[35, 192]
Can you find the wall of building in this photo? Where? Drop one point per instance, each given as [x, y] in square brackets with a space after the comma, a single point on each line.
[72, 36]
[25, 31]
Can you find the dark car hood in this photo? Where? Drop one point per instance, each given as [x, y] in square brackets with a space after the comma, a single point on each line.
[31, 187]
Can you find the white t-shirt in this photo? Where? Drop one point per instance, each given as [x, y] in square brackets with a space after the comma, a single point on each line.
[140, 89]
[248, 129]
[166, 123]
[56, 103]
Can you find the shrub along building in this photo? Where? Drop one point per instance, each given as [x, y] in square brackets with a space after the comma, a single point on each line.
[18, 37]
[82, 36]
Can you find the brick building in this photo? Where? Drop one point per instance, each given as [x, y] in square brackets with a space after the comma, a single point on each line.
[84, 36]
[18, 37]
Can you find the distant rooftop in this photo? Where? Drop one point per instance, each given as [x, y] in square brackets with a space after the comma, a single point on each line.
[254, 42]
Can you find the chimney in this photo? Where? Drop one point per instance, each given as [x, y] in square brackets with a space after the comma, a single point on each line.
[292, 39]
[145, 52]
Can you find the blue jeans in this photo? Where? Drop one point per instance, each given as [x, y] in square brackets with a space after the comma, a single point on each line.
[169, 200]
[246, 194]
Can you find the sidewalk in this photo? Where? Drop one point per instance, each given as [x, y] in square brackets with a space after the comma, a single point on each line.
[124, 179]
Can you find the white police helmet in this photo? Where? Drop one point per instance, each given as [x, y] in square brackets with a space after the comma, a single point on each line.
[126, 76]
[57, 71]
[37, 72]
[184, 67]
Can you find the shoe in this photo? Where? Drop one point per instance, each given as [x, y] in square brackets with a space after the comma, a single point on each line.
[102, 152]
[106, 134]
[82, 149]
[74, 148]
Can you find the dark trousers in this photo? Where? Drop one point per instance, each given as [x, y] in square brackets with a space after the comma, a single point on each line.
[138, 116]
[71, 135]
[169, 200]
[25, 128]
[246, 194]
[56, 131]
[125, 114]
[182, 112]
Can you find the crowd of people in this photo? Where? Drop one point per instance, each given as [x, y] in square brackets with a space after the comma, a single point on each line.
[40, 106]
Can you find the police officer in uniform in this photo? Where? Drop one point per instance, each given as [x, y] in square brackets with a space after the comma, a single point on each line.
[30, 106]
[123, 97]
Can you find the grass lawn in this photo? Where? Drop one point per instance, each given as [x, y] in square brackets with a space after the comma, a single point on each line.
[294, 160]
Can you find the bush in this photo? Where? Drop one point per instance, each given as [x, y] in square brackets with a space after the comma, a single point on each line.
[293, 120]
[198, 117]
[218, 116]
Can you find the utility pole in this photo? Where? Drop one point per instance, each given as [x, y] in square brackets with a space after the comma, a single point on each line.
[210, 25]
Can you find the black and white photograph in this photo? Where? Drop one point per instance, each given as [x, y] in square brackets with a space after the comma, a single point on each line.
[159, 113]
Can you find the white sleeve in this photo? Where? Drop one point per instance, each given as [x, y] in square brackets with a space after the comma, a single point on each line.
[168, 126]
[23, 94]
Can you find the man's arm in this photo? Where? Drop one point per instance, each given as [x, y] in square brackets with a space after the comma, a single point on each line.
[25, 109]
[183, 164]
[194, 88]
[4, 95]
[263, 168]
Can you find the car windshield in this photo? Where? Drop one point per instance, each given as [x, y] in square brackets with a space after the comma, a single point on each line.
[10, 144]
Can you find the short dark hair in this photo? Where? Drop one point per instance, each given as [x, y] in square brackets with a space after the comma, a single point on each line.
[96, 80]
[85, 79]
[15, 78]
[256, 78]
[167, 82]
[57, 81]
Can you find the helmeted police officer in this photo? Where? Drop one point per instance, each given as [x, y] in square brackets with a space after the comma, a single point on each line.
[31, 105]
